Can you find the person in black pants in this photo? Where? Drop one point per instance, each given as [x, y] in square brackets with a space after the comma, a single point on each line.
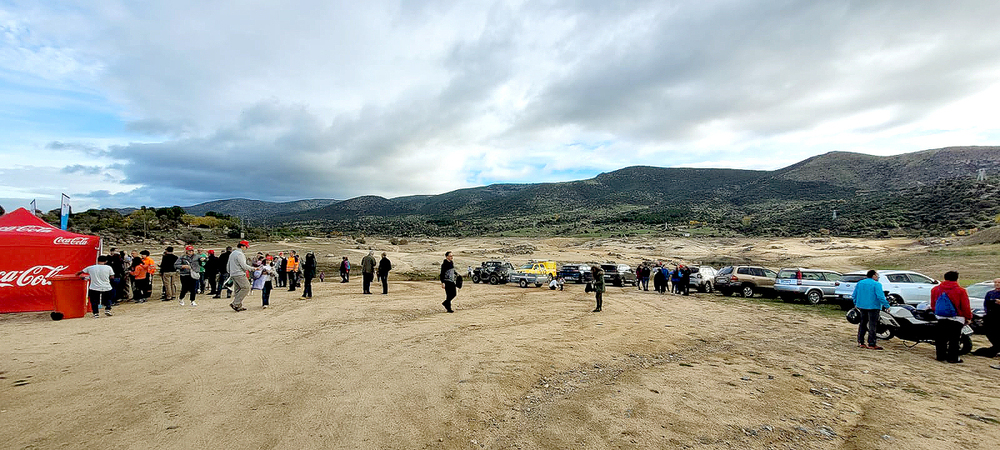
[308, 272]
[224, 274]
[384, 266]
[448, 277]
[686, 280]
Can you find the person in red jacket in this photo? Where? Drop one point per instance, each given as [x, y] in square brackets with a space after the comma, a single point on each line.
[951, 318]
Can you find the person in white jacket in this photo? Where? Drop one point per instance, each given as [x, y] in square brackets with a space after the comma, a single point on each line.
[237, 269]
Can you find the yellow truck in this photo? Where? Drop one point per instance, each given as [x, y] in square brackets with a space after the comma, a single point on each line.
[539, 268]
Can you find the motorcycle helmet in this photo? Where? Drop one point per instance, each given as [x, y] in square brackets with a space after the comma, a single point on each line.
[854, 316]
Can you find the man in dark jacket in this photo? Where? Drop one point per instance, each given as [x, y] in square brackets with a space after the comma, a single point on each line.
[686, 280]
[212, 272]
[952, 316]
[448, 281]
[368, 265]
[168, 274]
[224, 273]
[384, 266]
[992, 320]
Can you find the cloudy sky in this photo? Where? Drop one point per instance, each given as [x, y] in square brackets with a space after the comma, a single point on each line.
[178, 102]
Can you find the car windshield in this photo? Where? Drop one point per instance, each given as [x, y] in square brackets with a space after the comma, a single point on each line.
[526, 266]
[979, 290]
[608, 267]
[725, 270]
[851, 278]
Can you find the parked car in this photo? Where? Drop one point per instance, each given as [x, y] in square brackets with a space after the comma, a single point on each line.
[703, 278]
[747, 280]
[619, 274]
[812, 285]
[579, 273]
[903, 286]
[524, 279]
[539, 267]
[493, 272]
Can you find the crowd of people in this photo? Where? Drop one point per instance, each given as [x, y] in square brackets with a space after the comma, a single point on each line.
[201, 272]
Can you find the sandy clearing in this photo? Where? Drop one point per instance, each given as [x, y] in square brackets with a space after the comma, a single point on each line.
[513, 368]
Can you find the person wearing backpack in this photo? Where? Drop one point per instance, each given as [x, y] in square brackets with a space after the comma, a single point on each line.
[950, 303]
[869, 298]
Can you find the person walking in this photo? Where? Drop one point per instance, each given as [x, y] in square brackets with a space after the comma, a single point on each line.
[99, 290]
[224, 273]
[991, 323]
[141, 282]
[212, 272]
[292, 270]
[950, 303]
[660, 280]
[345, 270]
[202, 262]
[869, 298]
[368, 265]
[168, 274]
[598, 287]
[308, 273]
[384, 266]
[686, 280]
[448, 281]
[237, 270]
[281, 267]
[187, 266]
[263, 277]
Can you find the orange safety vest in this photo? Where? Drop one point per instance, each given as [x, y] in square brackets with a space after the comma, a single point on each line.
[150, 265]
[292, 264]
[139, 272]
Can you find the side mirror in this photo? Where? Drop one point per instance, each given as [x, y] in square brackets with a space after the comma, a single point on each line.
[936, 281]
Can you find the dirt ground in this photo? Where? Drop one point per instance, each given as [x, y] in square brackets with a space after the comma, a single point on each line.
[512, 368]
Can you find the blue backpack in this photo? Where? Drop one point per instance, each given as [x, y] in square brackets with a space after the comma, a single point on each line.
[944, 307]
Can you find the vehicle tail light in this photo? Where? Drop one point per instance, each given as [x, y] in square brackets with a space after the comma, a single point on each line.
[733, 278]
[836, 283]
[798, 277]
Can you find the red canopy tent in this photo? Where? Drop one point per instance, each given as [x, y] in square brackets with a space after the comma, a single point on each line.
[31, 251]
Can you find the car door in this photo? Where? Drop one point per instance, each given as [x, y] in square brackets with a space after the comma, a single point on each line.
[918, 289]
[830, 286]
[897, 283]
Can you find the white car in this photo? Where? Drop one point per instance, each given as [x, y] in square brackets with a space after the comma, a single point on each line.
[977, 295]
[702, 278]
[904, 286]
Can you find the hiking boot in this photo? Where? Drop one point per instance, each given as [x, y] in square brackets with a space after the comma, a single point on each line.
[108, 313]
[955, 361]
[862, 345]
[874, 347]
[97, 316]
[193, 303]
[182, 302]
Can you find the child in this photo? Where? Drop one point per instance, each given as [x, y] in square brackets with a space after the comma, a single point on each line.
[262, 280]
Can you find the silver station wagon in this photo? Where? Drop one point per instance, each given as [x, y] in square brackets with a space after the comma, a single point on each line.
[811, 285]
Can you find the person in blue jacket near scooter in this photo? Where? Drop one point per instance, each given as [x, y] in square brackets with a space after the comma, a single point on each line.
[869, 298]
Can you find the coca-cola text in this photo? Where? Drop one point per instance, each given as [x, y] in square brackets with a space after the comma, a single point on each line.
[35, 276]
[71, 241]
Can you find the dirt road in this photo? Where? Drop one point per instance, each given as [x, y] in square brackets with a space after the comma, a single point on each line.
[512, 368]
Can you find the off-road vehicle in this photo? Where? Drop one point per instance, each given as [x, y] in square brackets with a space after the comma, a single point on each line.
[746, 280]
[492, 272]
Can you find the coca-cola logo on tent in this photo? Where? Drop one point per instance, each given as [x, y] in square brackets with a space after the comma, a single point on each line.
[28, 229]
[34, 276]
[71, 241]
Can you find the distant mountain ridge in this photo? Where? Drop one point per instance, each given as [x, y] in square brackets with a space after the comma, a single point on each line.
[751, 200]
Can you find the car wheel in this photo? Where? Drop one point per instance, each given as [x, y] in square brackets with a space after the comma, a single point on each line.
[495, 279]
[708, 287]
[814, 297]
[747, 291]
[894, 299]
[523, 283]
[475, 278]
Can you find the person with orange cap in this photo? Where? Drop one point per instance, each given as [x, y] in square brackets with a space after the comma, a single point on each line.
[237, 269]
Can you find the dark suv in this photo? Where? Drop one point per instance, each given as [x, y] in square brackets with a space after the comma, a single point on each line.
[619, 274]
[579, 273]
[493, 272]
[747, 280]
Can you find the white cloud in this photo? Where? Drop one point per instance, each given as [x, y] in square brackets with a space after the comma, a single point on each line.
[337, 99]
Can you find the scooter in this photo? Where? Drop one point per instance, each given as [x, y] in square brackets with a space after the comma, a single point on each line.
[916, 325]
